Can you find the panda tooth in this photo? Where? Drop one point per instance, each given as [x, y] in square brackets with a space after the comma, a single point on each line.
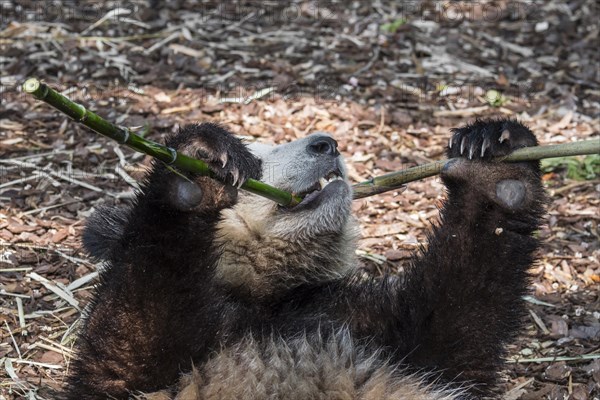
[323, 182]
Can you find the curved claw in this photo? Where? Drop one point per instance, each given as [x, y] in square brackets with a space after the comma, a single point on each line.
[462, 145]
[223, 159]
[472, 150]
[485, 145]
[450, 142]
[504, 136]
[235, 174]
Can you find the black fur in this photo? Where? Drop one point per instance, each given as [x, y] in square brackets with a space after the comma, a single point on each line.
[148, 319]
[225, 153]
[157, 310]
[104, 231]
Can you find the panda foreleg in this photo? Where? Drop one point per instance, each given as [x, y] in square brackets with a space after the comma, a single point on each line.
[465, 291]
[155, 309]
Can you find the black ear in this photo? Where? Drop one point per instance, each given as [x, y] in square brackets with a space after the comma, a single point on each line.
[103, 230]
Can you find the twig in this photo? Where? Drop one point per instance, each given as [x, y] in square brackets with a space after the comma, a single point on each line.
[465, 112]
[368, 66]
[13, 340]
[40, 155]
[573, 185]
[111, 14]
[39, 364]
[515, 48]
[582, 357]
[17, 181]
[539, 322]
[166, 40]
[22, 296]
[68, 297]
[10, 370]
[21, 313]
[82, 281]
[63, 349]
[517, 389]
[537, 302]
[48, 173]
[120, 168]
[17, 269]
[42, 209]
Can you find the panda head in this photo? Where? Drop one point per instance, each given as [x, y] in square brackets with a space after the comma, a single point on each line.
[311, 168]
[267, 247]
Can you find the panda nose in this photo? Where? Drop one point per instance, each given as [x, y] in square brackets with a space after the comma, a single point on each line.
[323, 145]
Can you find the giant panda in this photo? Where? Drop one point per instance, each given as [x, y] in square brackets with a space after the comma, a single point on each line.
[210, 292]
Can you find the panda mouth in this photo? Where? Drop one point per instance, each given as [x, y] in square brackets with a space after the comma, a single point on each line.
[313, 191]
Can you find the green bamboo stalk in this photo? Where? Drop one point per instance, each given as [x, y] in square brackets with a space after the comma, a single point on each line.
[124, 136]
[395, 180]
[373, 186]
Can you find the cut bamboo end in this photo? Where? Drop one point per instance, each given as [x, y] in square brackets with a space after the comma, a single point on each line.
[36, 88]
[31, 85]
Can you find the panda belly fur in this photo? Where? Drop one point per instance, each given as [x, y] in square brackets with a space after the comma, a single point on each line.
[303, 368]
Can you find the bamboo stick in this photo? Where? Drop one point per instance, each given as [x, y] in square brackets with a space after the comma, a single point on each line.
[122, 135]
[395, 180]
[373, 186]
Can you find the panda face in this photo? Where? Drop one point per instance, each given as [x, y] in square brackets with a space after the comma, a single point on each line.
[304, 167]
[264, 245]
[313, 169]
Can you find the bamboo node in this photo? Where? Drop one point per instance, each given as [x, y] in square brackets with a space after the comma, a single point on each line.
[125, 135]
[173, 155]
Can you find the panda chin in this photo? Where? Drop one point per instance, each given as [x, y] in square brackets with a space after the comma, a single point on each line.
[335, 190]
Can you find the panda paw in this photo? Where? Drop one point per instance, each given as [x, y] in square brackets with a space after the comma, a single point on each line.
[476, 181]
[226, 155]
[485, 139]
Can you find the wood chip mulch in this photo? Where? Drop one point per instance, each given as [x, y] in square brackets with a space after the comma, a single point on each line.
[387, 81]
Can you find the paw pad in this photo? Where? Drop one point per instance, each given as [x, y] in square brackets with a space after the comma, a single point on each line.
[187, 195]
[511, 192]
